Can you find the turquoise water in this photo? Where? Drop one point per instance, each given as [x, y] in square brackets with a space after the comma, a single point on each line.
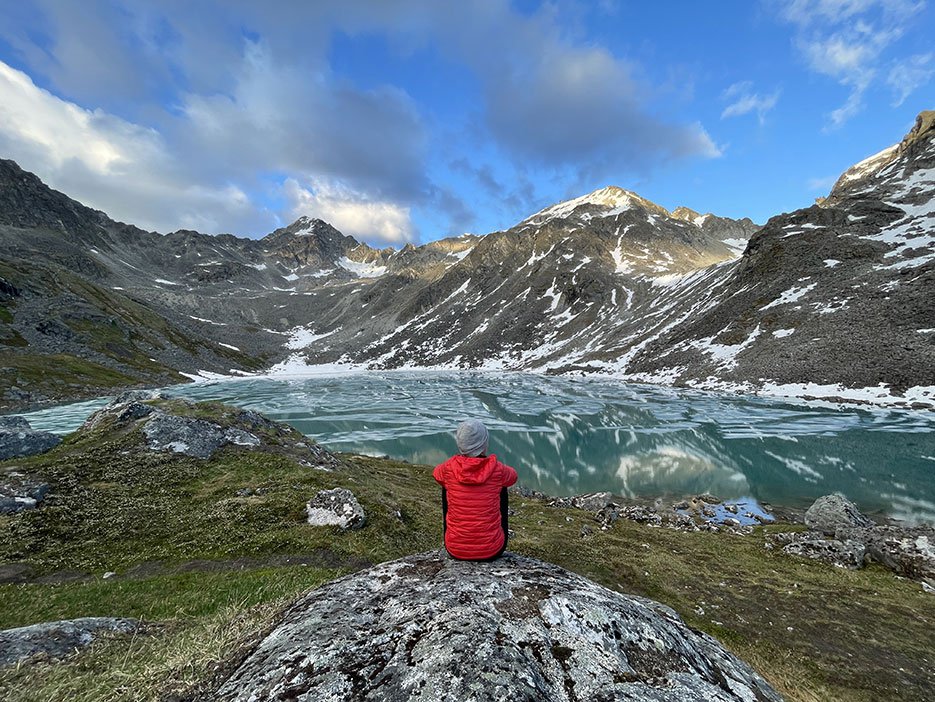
[574, 435]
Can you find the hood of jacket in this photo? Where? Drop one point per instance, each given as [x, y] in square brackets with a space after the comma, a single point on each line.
[473, 470]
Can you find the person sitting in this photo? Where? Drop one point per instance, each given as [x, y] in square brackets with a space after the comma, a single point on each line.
[474, 497]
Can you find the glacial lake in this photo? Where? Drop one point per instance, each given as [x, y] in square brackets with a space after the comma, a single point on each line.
[574, 435]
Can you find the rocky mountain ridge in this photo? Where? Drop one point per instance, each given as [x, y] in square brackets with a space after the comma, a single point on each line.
[830, 299]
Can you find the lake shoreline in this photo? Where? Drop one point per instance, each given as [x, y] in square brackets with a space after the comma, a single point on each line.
[570, 436]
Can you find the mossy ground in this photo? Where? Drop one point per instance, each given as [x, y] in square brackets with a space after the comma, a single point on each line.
[211, 569]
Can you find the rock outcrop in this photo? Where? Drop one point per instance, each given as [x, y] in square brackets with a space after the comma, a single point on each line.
[839, 534]
[431, 628]
[169, 426]
[192, 437]
[19, 439]
[57, 640]
[832, 512]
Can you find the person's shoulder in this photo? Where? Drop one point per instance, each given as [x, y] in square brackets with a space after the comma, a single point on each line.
[442, 467]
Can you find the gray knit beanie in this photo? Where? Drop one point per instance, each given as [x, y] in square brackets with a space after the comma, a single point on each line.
[472, 438]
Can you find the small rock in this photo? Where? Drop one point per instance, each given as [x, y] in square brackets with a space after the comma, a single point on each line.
[586, 531]
[592, 502]
[20, 492]
[844, 554]
[832, 512]
[607, 516]
[241, 438]
[643, 515]
[338, 507]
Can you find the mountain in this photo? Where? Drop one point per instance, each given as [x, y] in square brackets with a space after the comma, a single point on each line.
[553, 292]
[828, 299]
[838, 294]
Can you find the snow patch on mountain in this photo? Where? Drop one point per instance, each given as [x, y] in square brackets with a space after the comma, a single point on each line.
[302, 337]
[361, 269]
[793, 294]
[868, 165]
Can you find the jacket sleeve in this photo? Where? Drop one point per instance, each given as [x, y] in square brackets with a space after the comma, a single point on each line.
[439, 474]
[508, 474]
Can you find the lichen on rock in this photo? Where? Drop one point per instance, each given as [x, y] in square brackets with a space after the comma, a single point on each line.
[427, 627]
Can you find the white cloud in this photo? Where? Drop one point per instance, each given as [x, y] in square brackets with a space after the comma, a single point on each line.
[847, 40]
[62, 131]
[744, 100]
[350, 212]
[238, 94]
[299, 122]
[581, 106]
[108, 163]
[905, 77]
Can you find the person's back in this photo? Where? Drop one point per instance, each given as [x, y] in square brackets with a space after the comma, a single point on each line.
[474, 498]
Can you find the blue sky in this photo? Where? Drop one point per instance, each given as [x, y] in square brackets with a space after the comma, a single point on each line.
[411, 120]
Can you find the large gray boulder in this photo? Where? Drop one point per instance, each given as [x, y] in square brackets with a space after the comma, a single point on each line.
[57, 640]
[18, 439]
[428, 628]
[832, 512]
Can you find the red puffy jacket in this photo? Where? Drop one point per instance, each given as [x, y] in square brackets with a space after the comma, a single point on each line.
[473, 523]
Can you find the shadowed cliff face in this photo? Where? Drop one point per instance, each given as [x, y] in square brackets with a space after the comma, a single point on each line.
[427, 627]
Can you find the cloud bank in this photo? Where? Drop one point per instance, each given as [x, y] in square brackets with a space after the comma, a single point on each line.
[228, 116]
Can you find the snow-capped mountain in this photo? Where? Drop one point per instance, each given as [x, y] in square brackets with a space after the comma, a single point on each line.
[559, 290]
[835, 296]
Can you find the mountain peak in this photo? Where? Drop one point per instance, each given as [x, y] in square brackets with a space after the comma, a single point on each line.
[612, 199]
[914, 152]
[687, 214]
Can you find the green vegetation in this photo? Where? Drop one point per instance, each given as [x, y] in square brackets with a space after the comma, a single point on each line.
[40, 370]
[211, 569]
